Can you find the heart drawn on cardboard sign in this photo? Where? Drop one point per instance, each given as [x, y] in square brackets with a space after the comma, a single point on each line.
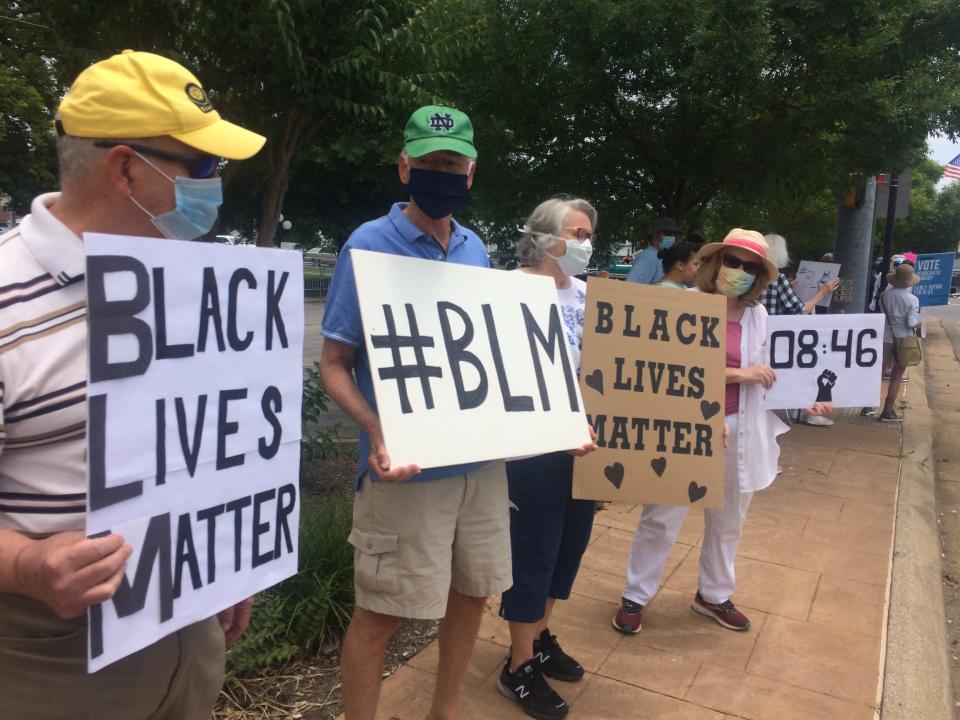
[696, 492]
[709, 409]
[659, 465]
[595, 381]
[614, 473]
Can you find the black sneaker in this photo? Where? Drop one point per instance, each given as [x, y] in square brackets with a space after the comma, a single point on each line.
[554, 662]
[527, 687]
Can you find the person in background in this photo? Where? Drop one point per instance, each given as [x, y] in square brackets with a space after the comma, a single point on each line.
[780, 299]
[549, 530]
[680, 265]
[902, 310]
[739, 269]
[160, 181]
[646, 266]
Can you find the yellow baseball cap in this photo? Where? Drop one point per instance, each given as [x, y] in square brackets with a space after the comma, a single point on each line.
[139, 95]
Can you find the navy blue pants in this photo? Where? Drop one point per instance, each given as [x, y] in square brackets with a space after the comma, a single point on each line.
[549, 532]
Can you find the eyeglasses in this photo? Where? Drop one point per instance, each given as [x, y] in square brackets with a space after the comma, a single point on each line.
[733, 262]
[582, 234]
[199, 166]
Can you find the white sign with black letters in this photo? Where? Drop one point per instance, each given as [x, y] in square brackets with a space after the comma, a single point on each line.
[825, 358]
[468, 363]
[193, 428]
[810, 276]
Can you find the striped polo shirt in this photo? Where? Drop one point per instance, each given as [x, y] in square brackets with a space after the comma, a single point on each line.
[43, 374]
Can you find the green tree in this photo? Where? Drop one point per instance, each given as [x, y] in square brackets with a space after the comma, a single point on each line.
[933, 222]
[27, 95]
[297, 71]
[652, 107]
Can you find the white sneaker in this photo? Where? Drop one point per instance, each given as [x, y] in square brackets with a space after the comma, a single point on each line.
[816, 420]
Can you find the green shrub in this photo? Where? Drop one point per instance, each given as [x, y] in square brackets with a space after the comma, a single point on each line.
[311, 608]
[317, 443]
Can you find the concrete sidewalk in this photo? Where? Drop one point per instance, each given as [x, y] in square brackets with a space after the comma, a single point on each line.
[812, 573]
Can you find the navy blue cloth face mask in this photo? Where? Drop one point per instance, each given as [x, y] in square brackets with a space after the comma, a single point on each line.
[437, 193]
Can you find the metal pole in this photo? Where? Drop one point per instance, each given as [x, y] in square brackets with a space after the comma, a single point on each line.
[853, 247]
[888, 229]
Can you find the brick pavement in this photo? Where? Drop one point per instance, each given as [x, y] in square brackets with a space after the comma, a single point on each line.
[812, 576]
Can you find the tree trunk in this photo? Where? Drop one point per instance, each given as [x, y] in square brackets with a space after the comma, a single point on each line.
[289, 138]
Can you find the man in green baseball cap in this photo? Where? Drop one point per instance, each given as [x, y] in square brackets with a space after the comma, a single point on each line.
[437, 165]
[429, 543]
[433, 128]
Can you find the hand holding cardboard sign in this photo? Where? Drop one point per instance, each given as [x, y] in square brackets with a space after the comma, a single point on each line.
[753, 375]
[69, 572]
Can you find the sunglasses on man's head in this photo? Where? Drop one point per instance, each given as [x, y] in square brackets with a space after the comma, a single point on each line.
[733, 262]
[200, 167]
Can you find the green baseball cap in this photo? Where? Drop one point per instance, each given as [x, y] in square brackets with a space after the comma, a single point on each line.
[434, 127]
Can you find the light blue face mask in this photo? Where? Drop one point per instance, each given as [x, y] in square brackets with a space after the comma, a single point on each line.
[198, 204]
[667, 242]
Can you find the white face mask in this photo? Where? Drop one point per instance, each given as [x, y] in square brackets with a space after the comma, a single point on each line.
[576, 257]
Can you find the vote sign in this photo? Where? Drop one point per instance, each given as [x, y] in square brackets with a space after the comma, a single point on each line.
[653, 377]
[468, 363]
[825, 358]
[936, 272]
[193, 428]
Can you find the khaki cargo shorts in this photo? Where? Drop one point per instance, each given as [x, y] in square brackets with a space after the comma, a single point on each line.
[413, 542]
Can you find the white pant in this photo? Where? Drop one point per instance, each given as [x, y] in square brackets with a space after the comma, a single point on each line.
[660, 524]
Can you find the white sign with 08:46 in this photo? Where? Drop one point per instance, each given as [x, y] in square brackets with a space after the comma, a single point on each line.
[825, 358]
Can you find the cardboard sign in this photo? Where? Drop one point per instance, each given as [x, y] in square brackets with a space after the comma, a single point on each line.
[825, 358]
[468, 364]
[935, 271]
[193, 428]
[653, 377]
[810, 276]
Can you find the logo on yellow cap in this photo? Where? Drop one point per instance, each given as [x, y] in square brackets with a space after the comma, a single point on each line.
[198, 97]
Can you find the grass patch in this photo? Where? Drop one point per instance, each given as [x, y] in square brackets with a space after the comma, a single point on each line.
[311, 608]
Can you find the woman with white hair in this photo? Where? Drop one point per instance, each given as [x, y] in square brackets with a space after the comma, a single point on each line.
[780, 299]
[549, 530]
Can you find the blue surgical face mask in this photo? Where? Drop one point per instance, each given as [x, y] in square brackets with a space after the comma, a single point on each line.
[667, 242]
[198, 203]
[437, 193]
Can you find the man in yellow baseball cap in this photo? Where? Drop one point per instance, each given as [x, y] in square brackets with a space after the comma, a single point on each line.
[139, 147]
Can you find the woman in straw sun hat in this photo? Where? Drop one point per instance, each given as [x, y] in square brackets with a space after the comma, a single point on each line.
[902, 309]
[739, 269]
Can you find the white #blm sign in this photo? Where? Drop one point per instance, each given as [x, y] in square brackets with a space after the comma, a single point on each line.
[195, 358]
[825, 358]
[468, 364]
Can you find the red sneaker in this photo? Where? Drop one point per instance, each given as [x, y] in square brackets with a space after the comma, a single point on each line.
[726, 613]
[627, 619]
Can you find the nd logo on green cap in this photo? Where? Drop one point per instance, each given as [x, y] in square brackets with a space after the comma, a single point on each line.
[434, 127]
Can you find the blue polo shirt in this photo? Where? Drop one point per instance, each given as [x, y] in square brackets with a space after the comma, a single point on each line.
[395, 234]
[647, 268]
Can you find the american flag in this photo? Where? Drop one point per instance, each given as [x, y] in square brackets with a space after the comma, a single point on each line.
[952, 168]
